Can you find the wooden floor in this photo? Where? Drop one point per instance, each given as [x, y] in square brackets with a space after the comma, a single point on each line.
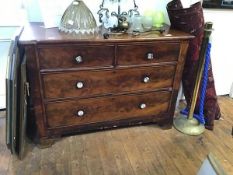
[136, 151]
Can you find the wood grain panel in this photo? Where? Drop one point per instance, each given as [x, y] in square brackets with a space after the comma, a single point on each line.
[137, 54]
[57, 57]
[63, 85]
[106, 109]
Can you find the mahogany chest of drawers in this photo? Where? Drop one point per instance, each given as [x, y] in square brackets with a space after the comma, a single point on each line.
[85, 83]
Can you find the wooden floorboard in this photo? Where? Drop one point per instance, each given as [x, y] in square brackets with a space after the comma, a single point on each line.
[142, 150]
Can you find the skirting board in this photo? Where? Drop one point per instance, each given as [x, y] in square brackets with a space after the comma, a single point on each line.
[231, 91]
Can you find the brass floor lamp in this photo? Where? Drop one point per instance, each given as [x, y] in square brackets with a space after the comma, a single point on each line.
[188, 124]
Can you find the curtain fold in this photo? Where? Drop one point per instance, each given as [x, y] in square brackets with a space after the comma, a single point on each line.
[191, 20]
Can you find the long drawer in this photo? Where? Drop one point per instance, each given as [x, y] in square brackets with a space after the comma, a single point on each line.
[75, 56]
[94, 110]
[102, 82]
[147, 53]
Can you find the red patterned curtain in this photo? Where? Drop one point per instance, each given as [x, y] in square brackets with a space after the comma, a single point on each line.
[191, 20]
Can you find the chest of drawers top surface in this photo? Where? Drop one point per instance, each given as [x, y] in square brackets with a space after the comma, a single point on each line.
[35, 32]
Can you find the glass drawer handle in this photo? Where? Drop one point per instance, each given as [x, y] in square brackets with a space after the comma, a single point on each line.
[142, 106]
[150, 56]
[79, 59]
[80, 113]
[79, 85]
[146, 79]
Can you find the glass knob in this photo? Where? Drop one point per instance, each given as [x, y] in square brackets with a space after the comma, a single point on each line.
[79, 59]
[150, 56]
[146, 79]
[142, 106]
[80, 113]
[79, 85]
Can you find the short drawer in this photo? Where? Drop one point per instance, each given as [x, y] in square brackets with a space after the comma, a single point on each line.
[62, 57]
[93, 110]
[89, 83]
[147, 53]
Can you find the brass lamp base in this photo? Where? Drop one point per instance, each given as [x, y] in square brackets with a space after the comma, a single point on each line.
[188, 126]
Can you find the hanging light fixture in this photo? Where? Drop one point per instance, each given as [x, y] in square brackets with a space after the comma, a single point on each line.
[123, 23]
[78, 19]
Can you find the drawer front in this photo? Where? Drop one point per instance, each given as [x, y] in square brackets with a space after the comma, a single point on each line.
[147, 53]
[60, 57]
[86, 111]
[89, 83]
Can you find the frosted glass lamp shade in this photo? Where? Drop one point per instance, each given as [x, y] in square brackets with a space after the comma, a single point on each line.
[78, 19]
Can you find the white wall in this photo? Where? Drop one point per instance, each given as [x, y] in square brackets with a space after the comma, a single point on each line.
[11, 13]
[221, 51]
[36, 14]
[4, 47]
[6, 36]
[11, 16]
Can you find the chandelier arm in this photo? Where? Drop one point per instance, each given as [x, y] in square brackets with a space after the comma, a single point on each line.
[135, 5]
[102, 4]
